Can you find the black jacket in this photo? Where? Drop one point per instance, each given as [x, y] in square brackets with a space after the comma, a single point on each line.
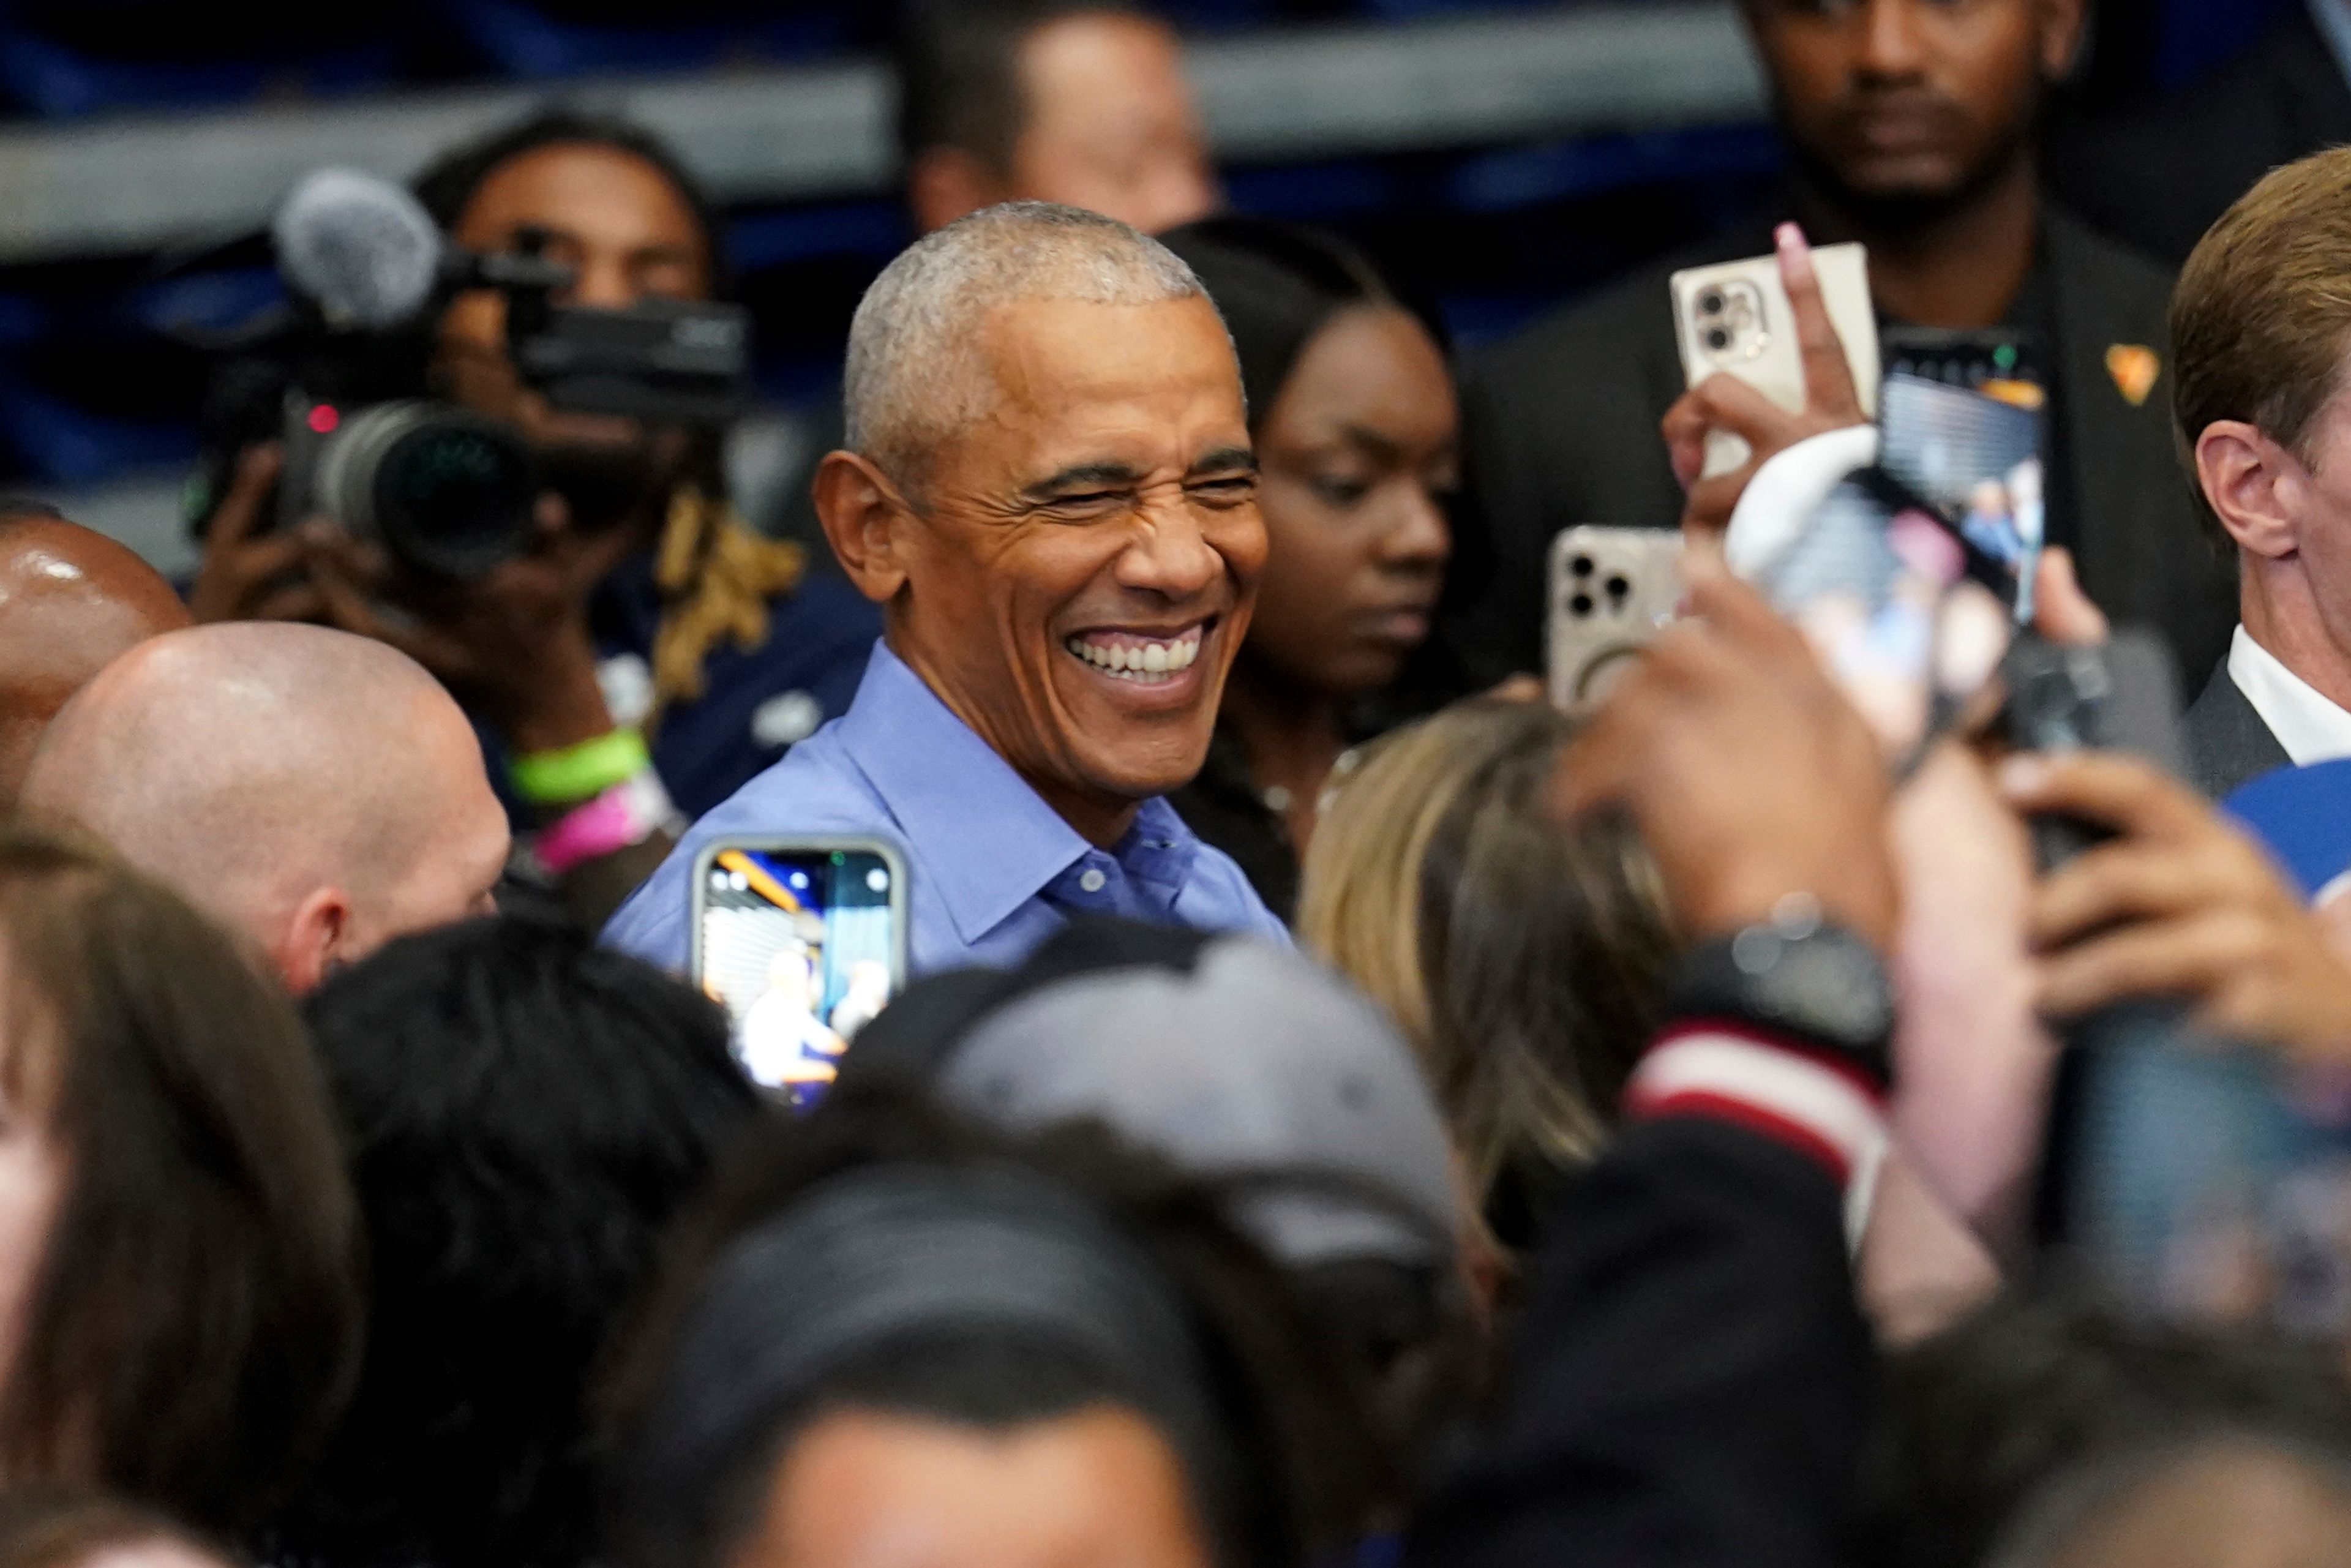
[1561, 429]
[2158, 176]
[2226, 741]
[1692, 1384]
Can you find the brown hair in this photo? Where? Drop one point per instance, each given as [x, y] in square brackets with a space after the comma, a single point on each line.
[2260, 316]
[193, 1326]
[1519, 957]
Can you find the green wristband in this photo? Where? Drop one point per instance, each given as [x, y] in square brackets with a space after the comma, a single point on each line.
[581, 772]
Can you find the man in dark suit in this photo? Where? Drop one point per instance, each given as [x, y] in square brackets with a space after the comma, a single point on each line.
[1911, 128]
[2158, 175]
[2263, 323]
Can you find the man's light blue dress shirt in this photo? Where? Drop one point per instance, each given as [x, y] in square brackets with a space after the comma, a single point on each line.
[993, 869]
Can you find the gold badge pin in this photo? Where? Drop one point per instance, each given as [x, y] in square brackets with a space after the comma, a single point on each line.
[2135, 368]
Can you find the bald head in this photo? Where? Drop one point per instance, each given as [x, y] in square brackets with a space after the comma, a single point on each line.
[70, 601]
[317, 790]
[919, 371]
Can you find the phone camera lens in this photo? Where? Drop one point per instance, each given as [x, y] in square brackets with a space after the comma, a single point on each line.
[1582, 566]
[1580, 605]
[1618, 588]
[1717, 339]
[1710, 302]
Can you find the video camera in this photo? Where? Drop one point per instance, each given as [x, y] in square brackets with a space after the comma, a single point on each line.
[448, 491]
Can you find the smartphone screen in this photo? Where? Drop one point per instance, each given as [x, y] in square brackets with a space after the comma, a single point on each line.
[1912, 576]
[803, 946]
[2202, 1181]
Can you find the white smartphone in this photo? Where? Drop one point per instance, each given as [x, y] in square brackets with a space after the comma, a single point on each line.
[1734, 319]
[802, 941]
[1610, 591]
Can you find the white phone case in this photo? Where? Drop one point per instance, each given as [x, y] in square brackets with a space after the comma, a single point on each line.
[1612, 590]
[1734, 317]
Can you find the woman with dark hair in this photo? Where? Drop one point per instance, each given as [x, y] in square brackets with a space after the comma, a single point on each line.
[1353, 410]
[653, 653]
[179, 1300]
[902, 1328]
[526, 1112]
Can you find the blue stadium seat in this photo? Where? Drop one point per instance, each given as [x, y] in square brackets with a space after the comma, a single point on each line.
[546, 39]
[85, 56]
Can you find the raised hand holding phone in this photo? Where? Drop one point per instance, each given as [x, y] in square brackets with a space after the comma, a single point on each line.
[1836, 395]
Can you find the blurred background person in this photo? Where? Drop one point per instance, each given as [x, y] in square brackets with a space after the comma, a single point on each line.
[70, 601]
[1049, 486]
[1912, 127]
[652, 649]
[316, 792]
[43, 1528]
[525, 1114]
[904, 1332]
[1074, 101]
[180, 1301]
[1352, 410]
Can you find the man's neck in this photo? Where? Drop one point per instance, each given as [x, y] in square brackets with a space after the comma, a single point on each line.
[1098, 818]
[2283, 613]
[1962, 268]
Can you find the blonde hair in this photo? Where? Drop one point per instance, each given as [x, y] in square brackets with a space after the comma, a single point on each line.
[717, 579]
[1520, 955]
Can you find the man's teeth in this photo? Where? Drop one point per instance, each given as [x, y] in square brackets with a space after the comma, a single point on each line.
[1149, 660]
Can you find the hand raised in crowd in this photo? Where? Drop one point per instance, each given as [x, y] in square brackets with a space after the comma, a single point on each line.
[1748, 773]
[2181, 905]
[1723, 401]
[514, 644]
[250, 572]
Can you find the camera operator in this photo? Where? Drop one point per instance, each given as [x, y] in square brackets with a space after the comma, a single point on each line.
[648, 647]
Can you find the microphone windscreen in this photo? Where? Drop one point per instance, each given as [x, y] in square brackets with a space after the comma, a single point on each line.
[360, 248]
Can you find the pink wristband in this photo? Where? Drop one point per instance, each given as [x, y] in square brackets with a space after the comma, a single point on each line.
[620, 818]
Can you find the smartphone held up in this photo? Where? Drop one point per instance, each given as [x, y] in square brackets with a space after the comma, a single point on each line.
[803, 942]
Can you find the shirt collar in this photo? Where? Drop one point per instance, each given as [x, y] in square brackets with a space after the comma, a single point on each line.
[986, 842]
[2309, 727]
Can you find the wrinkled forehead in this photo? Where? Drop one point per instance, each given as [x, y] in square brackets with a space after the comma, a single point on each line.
[1057, 382]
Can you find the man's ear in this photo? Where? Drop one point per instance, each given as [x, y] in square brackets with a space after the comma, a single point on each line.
[864, 520]
[944, 184]
[316, 938]
[2255, 486]
[2061, 23]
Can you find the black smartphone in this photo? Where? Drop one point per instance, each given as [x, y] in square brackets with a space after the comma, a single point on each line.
[803, 942]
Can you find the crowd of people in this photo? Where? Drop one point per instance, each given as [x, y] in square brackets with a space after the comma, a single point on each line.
[1336, 1106]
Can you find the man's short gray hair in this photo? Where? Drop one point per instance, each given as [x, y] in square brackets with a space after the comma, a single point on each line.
[915, 374]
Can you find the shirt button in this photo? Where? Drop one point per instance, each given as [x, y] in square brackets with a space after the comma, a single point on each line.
[1092, 880]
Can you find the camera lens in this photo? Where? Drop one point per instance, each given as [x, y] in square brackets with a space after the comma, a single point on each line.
[1717, 339]
[1581, 604]
[446, 490]
[1618, 588]
[1581, 566]
[1710, 302]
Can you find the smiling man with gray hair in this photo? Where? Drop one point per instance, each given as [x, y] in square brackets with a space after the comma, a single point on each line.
[1049, 487]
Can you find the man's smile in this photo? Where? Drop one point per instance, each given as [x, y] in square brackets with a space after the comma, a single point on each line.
[1149, 658]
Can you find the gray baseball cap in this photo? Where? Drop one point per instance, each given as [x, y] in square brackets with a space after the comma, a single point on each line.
[1237, 1062]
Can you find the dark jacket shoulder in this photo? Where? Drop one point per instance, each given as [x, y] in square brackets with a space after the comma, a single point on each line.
[2228, 743]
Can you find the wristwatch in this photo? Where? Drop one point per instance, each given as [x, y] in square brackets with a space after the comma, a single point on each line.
[1796, 975]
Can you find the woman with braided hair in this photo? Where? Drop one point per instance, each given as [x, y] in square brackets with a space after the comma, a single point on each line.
[652, 653]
